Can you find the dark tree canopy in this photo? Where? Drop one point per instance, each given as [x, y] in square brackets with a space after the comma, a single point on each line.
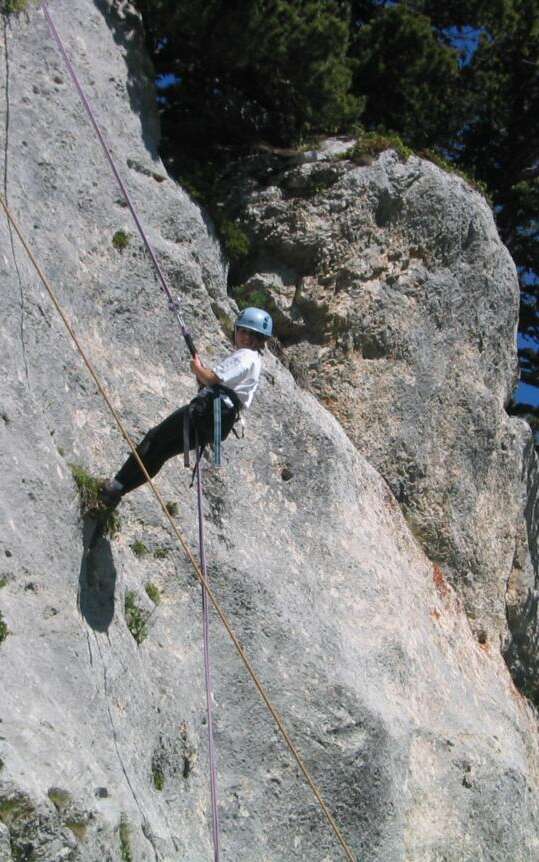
[408, 77]
[253, 69]
[460, 77]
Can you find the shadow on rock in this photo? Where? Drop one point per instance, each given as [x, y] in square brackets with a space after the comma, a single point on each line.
[97, 578]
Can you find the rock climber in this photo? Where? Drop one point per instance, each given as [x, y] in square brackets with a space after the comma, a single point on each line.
[234, 380]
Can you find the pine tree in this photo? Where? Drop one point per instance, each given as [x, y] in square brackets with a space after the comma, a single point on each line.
[460, 77]
[252, 70]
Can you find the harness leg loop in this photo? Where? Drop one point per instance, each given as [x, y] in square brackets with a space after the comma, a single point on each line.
[217, 432]
[186, 435]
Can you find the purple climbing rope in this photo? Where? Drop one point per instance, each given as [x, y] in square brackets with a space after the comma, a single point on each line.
[175, 307]
[173, 303]
[207, 665]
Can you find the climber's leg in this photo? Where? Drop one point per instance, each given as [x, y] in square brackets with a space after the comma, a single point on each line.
[160, 443]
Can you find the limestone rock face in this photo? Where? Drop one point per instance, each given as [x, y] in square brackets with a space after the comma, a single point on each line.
[420, 743]
[397, 304]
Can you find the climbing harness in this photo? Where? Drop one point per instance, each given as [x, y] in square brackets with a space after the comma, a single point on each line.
[200, 569]
[205, 414]
[217, 431]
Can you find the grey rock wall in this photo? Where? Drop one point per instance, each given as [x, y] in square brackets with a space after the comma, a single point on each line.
[414, 731]
[397, 304]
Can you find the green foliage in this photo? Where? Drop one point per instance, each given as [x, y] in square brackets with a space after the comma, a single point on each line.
[120, 240]
[3, 581]
[458, 81]
[79, 828]
[139, 548]
[271, 69]
[89, 488]
[135, 617]
[9, 7]
[373, 143]
[125, 840]
[4, 631]
[15, 807]
[499, 142]
[407, 75]
[245, 296]
[158, 777]
[161, 553]
[153, 593]
[111, 522]
[60, 798]
[172, 508]
[236, 241]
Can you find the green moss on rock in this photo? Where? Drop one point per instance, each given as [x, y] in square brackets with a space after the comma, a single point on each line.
[125, 840]
[135, 617]
[153, 593]
[89, 488]
[60, 798]
[158, 778]
[11, 7]
[4, 631]
[120, 240]
[371, 144]
[139, 548]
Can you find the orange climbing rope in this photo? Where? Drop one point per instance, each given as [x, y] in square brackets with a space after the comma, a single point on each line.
[208, 591]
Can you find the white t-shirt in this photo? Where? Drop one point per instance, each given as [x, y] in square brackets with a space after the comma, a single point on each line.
[240, 372]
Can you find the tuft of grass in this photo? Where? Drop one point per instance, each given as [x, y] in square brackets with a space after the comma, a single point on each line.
[4, 631]
[153, 593]
[10, 7]
[125, 840]
[135, 618]
[15, 807]
[139, 548]
[112, 522]
[172, 509]
[78, 827]
[3, 581]
[89, 488]
[158, 778]
[161, 553]
[59, 797]
[370, 144]
[120, 240]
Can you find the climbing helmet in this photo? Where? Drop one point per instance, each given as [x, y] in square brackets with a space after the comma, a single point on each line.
[255, 319]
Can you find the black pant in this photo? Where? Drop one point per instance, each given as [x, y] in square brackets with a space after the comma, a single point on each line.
[166, 440]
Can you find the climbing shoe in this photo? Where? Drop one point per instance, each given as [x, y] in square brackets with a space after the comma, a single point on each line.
[111, 493]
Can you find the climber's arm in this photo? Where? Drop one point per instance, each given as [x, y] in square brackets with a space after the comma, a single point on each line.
[202, 374]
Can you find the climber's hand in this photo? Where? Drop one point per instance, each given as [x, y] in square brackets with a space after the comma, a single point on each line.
[196, 365]
[204, 375]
